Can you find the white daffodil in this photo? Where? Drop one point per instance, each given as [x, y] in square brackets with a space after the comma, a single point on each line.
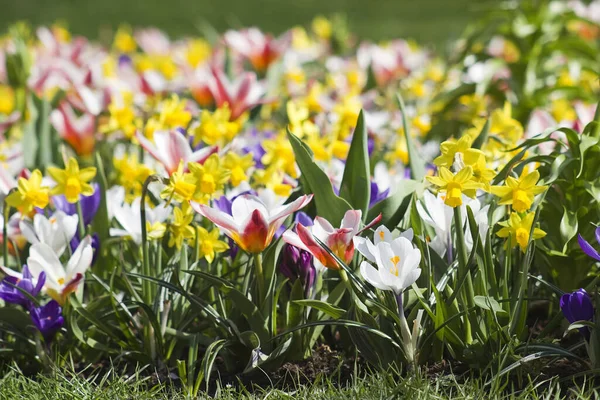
[130, 219]
[60, 281]
[382, 234]
[56, 231]
[397, 265]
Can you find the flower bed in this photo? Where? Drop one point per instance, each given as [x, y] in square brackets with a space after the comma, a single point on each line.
[229, 206]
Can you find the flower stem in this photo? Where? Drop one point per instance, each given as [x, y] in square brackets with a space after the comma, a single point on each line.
[5, 234]
[82, 231]
[468, 294]
[260, 277]
[405, 332]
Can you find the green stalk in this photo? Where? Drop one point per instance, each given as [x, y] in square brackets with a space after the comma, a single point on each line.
[82, 230]
[260, 277]
[5, 234]
[468, 294]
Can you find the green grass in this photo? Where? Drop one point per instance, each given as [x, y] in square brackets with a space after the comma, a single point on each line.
[64, 385]
[428, 21]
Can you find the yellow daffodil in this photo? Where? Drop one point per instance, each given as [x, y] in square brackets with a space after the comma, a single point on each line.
[7, 99]
[562, 110]
[451, 147]
[238, 165]
[518, 229]
[209, 244]
[181, 186]
[481, 172]
[29, 194]
[210, 178]
[322, 27]
[156, 230]
[198, 51]
[216, 128]
[180, 228]
[400, 152]
[519, 192]
[456, 185]
[123, 41]
[504, 133]
[131, 174]
[173, 113]
[122, 117]
[279, 153]
[71, 181]
[273, 178]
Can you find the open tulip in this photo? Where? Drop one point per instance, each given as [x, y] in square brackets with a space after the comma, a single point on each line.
[338, 240]
[171, 147]
[251, 224]
[240, 95]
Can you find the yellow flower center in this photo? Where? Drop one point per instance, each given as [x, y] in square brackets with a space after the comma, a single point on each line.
[395, 260]
[72, 188]
[207, 184]
[522, 237]
[184, 189]
[61, 281]
[521, 201]
[454, 194]
[237, 175]
[381, 235]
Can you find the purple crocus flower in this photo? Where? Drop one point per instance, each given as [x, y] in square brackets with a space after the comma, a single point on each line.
[376, 195]
[587, 248]
[48, 319]
[89, 205]
[296, 264]
[577, 306]
[10, 294]
[257, 153]
[370, 145]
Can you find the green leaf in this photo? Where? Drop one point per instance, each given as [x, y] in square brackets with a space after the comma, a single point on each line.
[356, 186]
[568, 227]
[394, 207]
[314, 180]
[483, 135]
[329, 309]
[416, 163]
[488, 303]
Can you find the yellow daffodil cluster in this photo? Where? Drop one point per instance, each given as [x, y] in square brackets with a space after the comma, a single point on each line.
[172, 114]
[202, 183]
[518, 229]
[519, 193]
[216, 128]
[504, 134]
[131, 174]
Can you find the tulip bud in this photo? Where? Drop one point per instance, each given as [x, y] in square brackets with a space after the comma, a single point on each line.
[295, 264]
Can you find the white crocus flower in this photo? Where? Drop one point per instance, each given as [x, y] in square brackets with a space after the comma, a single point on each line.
[397, 269]
[382, 234]
[481, 219]
[60, 281]
[130, 219]
[439, 216]
[397, 265]
[56, 231]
